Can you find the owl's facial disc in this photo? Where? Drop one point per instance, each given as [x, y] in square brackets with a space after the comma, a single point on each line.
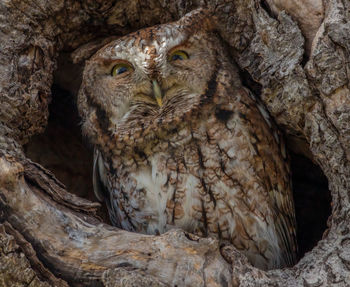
[122, 68]
[153, 82]
[174, 55]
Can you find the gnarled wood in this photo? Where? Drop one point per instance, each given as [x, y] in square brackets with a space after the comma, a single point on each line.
[81, 248]
[310, 102]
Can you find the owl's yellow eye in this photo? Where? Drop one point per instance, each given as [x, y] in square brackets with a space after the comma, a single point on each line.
[120, 68]
[178, 55]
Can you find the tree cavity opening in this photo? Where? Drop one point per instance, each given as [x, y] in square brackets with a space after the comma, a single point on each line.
[63, 150]
[312, 200]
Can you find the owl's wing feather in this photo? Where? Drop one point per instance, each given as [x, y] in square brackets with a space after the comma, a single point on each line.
[99, 177]
[280, 195]
[282, 198]
[285, 226]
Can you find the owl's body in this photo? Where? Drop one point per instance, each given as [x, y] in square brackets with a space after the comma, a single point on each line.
[179, 142]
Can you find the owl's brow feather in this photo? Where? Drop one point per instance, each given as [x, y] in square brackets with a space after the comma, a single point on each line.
[184, 44]
[108, 63]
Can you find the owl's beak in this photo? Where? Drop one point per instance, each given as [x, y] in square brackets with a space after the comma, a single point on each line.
[157, 92]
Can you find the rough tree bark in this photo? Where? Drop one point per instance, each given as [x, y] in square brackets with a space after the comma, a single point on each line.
[49, 237]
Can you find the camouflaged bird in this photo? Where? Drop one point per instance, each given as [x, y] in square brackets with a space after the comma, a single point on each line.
[179, 142]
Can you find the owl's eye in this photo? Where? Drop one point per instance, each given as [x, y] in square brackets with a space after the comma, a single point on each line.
[120, 68]
[178, 55]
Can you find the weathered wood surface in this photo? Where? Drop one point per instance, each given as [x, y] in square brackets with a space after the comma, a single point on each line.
[59, 234]
[80, 247]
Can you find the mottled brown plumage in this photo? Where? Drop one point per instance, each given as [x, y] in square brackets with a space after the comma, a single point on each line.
[179, 142]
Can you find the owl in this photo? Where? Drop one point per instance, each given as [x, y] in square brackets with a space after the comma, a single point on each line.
[180, 143]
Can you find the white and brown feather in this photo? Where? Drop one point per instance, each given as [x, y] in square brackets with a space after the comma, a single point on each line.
[210, 160]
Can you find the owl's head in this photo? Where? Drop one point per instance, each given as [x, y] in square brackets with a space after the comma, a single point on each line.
[150, 80]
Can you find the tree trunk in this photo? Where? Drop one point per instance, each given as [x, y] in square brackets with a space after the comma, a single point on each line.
[50, 237]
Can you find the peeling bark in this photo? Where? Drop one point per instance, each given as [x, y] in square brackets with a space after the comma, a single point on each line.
[61, 236]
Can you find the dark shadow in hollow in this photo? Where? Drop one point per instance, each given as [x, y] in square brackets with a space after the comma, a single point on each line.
[312, 201]
[61, 148]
